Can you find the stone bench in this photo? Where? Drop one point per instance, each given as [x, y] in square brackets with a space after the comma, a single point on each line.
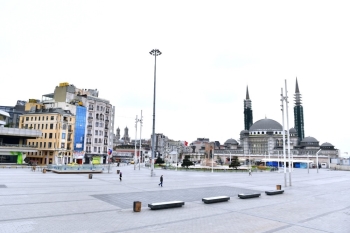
[208, 200]
[248, 195]
[165, 205]
[274, 192]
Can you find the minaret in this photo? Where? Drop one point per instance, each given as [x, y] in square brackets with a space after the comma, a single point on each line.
[298, 113]
[248, 112]
[126, 135]
[118, 134]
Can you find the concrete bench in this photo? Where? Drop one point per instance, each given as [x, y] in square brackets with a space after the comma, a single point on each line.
[165, 205]
[274, 192]
[208, 200]
[248, 195]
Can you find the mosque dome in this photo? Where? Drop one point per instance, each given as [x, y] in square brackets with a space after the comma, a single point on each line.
[231, 141]
[326, 144]
[266, 124]
[309, 139]
[244, 132]
[292, 130]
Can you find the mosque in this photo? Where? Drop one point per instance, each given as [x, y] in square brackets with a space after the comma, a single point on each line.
[265, 136]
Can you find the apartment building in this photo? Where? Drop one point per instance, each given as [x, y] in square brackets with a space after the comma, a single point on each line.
[57, 126]
[94, 121]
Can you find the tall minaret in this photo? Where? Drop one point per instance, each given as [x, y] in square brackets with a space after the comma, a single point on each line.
[298, 113]
[118, 134]
[248, 112]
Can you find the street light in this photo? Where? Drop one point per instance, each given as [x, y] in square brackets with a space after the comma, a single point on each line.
[155, 53]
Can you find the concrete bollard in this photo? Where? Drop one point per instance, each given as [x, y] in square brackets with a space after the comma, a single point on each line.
[90, 176]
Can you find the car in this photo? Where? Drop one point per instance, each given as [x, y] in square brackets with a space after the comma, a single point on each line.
[132, 162]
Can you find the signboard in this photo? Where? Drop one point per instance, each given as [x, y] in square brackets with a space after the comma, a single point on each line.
[78, 154]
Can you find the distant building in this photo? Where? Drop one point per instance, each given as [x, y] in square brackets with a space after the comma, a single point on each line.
[14, 112]
[13, 142]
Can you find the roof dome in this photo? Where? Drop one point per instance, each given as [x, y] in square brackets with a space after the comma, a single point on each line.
[326, 144]
[244, 131]
[231, 141]
[309, 139]
[265, 124]
[292, 130]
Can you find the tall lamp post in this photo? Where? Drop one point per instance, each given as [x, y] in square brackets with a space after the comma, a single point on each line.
[155, 53]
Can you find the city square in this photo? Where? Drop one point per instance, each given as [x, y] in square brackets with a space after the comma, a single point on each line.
[50, 202]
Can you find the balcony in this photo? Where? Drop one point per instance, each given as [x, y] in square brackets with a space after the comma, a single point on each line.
[107, 111]
[106, 127]
[105, 143]
[89, 135]
[89, 126]
[105, 151]
[70, 130]
[91, 109]
[107, 120]
[90, 118]
[106, 136]
[88, 143]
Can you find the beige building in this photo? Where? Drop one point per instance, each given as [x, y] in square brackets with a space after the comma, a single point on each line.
[57, 127]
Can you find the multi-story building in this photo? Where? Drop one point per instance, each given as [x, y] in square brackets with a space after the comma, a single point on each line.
[14, 113]
[94, 121]
[57, 127]
[13, 142]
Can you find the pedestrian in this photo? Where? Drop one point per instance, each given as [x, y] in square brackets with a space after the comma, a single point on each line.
[250, 172]
[120, 176]
[161, 181]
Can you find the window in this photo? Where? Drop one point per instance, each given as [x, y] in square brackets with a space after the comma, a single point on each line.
[96, 132]
[51, 126]
[46, 126]
[27, 118]
[31, 118]
[52, 118]
[95, 149]
[34, 118]
[95, 140]
[50, 135]
[41, 144]
[63, 135]
[39, 119]
[26, 126]
[98, 108]
[96, 124]
[101, 124]
[44, 144]
[64, 127]
[62, 145]
[47, 118]
[38, 126]
[100, 140]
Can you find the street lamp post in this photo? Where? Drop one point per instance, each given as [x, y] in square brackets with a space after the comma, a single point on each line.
[135, 154]
[141, 120]
[155, 53]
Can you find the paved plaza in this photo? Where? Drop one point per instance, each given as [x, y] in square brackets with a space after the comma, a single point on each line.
[50, 203]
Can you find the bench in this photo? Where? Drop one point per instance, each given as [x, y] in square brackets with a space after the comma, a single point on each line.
[274, 192]
[208, 200]
[248, 195]
[165, 205]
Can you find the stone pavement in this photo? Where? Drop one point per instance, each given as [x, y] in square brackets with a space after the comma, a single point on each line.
[38, 202]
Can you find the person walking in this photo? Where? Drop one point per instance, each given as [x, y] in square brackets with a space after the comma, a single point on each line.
[120, 176]
[250, 172]
[161, 181]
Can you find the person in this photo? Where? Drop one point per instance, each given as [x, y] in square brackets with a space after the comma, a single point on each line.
[120, 176]
[250, 172]
[161, 181]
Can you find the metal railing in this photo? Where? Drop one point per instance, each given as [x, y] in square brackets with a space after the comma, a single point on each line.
[17, 145]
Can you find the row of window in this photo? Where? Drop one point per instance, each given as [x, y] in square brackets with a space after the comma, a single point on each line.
[46, 153]
[49, 145]
[97, 140]
[43, 118]
[96, 149]
[98, 108]
[45, 126]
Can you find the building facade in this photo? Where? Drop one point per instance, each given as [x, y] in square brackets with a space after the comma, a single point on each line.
[55, 146]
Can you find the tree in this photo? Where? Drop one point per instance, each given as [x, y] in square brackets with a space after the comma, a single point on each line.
[159, 160]
[234, 162]
[186, 162]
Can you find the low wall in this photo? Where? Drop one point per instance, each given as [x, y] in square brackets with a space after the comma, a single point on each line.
[340, 167]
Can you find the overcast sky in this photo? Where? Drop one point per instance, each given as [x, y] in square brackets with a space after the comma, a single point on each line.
[211, 51]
